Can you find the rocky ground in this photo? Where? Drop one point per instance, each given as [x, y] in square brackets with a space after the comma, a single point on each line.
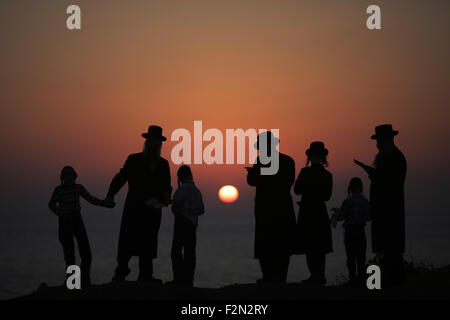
[421, 284]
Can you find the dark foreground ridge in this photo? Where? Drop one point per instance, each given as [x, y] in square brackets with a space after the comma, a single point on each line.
[421, 284]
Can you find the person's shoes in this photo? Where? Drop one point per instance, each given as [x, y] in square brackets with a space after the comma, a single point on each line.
[180, 283]
[262, 281]
[273, 281]
[322, 281]
[151, 280]
[188, 284]
[117, 279]
[120, 276]
[352, 283]
[86, 283]
[392, 283]
[314, 281]
[175, 283]
[361, 281]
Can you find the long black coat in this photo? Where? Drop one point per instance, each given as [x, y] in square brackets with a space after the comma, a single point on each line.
[274, 209]
[315, 185]
[387, 203]
[140, 223]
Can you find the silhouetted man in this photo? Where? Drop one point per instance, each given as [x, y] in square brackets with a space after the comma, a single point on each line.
[274, 213]
[148, 177]
[387, 205]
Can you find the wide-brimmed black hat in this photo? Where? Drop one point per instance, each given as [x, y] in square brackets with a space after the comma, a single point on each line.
[384, 130]
[154, 132]
[318, 148]
[267, 136]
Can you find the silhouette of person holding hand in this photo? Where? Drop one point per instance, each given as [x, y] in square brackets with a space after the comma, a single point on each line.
[149, 189]
[387, 204]
[354, 211]
[65, 203]
[274, 212]
[314, 183]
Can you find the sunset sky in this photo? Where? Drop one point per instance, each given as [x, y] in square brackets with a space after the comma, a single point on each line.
[309, 68]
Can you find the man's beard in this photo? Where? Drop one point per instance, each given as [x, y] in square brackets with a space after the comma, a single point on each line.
[152, 152]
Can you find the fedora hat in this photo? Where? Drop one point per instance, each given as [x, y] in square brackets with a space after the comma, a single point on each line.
[154, 131]
[267, 136]
[318, 148]
[384, 130]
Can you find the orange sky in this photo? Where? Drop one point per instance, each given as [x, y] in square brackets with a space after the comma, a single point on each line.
[310, 69]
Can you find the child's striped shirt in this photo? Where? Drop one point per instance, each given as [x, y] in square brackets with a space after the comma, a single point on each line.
[66, 197]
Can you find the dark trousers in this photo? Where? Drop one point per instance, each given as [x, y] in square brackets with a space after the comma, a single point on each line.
[274, 267]
[71, 227]
[183, 250]
[145, 267]
[392, 269]
[355, 247]
[143, 244]
[316, 264]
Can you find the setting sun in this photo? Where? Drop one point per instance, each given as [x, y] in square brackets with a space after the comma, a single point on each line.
[228, 193]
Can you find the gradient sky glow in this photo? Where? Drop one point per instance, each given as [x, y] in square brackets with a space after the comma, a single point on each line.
[309, 68]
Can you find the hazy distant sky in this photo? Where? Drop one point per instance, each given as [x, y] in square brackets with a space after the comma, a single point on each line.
[309, 68]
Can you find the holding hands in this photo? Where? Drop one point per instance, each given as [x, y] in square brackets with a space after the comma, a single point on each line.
[108, 202]
[335, 217]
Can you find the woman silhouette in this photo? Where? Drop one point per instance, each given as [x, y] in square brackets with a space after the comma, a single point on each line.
[314, 183]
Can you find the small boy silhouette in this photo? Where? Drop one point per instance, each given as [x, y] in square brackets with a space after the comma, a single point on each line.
[65, 203]
[187, 205]
[354, 212]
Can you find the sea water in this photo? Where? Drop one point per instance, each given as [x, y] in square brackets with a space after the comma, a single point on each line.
[31, 254]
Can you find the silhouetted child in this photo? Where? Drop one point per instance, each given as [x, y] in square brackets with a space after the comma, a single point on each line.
[187, 205]
[354, 212]
[65, 203]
